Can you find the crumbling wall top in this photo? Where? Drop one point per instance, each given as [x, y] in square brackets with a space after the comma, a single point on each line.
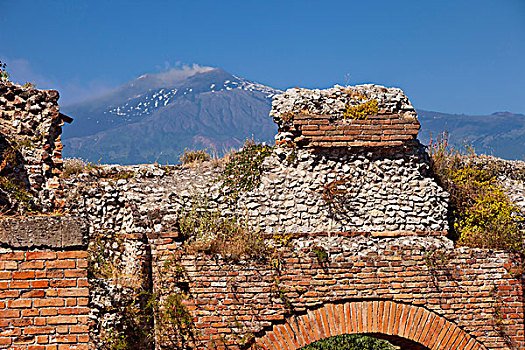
[30, 146]
[353, 116]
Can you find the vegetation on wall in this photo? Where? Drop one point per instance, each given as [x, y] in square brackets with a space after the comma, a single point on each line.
[361, 111]
[4, 76]
[168, 304]
[350, 342]
[194, 156]
[482, 214]
[244, 169]
[15, 194]
[208, 230]
[131, 305]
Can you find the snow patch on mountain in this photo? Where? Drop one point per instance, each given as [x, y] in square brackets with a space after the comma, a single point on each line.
[144, 104]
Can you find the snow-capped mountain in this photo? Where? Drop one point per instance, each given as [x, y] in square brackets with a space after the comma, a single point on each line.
[155, 117]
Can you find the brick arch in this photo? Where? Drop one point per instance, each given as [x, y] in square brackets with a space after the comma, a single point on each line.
[386, 319]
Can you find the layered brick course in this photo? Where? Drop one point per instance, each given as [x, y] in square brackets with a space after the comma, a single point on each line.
[44, 292]
[384, 130]
[379, 317]
[417, 292]
[44, 300]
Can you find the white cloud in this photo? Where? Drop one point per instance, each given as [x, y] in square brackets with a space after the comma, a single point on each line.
[73, 91]
[180, 72]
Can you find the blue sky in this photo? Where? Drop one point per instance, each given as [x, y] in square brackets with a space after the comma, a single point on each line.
[457, 56]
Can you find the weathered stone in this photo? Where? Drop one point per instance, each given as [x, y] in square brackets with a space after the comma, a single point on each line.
[43, 231]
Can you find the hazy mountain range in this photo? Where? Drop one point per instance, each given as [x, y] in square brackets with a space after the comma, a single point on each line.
[156, 116]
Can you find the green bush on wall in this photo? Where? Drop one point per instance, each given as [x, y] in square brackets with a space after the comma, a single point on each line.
[350, 342]
[244, 169]
[483, 216]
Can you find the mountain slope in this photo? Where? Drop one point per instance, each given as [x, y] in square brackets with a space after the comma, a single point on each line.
[156, 116]
[150, 120]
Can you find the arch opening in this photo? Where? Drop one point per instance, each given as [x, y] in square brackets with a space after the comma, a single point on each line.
[403, 325]
[364, 342]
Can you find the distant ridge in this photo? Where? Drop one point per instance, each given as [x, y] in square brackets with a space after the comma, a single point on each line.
[501, 134]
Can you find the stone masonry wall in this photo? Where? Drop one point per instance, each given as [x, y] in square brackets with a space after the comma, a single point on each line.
[316, 118]
[30, 144]
[345, 225]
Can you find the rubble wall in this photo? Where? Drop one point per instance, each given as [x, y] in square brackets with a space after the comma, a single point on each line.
[30, 147]
[340, 224]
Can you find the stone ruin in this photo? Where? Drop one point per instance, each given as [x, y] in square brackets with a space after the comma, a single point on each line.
[354, 224]
[30, 146]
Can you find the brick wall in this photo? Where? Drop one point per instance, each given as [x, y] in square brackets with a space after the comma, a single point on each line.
[465, 296]
[384, 130]
[44, 293]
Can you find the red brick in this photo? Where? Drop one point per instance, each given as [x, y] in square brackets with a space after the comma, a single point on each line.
[82, 264]
[10, 332]
[29, 312]
[8, 265]
[39, 330]
[42, 339]
[73, 292]
[61, 264]
[49, 311]
[63, 283]
[36, 347]
[38, 293]
[9, 313]
[62, 319]
[12, 256]
[32, 265]
[19, 303]
[77, 254]
[23, 275]
[19, 284]
[75, 273]
[65, 338]
[41, 256]
[74, 311]
[48, 302]
[23, 339]
[40, 284]
[22, 322]
[10, 294]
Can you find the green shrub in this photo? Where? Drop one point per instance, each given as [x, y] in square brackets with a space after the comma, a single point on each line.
[244, 169]
[18, 192]
[4, 76]
[350, 342]
[209, 231]
[482, 214]
[194, 156]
